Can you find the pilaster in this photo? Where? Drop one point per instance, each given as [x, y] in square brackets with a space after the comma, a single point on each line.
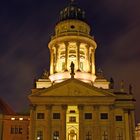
[127, 127]
[32, 122]
[63, 132]
[48, 121]
[81, 131]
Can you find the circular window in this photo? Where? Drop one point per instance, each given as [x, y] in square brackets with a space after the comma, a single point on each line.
[72, 26]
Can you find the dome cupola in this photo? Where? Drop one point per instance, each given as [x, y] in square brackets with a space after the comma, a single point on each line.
[72, 12]
[72, 42]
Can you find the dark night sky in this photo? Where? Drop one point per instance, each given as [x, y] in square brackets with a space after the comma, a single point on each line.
[25, 30]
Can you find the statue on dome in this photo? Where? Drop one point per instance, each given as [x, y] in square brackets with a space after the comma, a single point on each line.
[72, 69]
[45, 74]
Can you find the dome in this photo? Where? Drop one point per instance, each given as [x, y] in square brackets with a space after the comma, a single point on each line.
[72, 12]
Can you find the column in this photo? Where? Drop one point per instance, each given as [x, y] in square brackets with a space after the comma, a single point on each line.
[81, 127]
[48, 121]
[87, 58]
[32, 122]
[66, 57]
[127, 127]
[56, 62]
[63, 117]
[93, 62]
[132, 121]
[78, 56]
[51, 62]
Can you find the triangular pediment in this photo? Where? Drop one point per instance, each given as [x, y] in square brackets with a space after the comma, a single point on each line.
[72, 87]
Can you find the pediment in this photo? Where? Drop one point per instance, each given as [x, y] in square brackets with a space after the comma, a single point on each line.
[72, 87]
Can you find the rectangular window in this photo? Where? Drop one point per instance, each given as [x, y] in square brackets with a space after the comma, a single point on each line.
[40, 116]
[118, 118]
[56, 115]
[16, 129]
[12, 130]
[104, 115]
[72, 119]
[88, 116]
[72, 111]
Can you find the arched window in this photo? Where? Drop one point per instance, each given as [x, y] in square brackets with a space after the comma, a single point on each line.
[88, 136]
[104, 135]
[119, 135]
[39, 135]
[56, 135]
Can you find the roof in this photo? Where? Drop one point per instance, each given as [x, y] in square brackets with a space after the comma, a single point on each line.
[5, 108]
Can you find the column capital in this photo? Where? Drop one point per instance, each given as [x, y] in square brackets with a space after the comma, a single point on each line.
[64, 106]
[80, 106]
[96, 107]
[48, 106]
[66, 43]
[78, 43]
[33, 106]
[111, 107]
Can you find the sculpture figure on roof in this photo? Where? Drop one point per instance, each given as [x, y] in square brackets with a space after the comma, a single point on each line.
[72, 69]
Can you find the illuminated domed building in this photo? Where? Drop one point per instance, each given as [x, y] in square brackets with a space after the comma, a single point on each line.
[73, 102]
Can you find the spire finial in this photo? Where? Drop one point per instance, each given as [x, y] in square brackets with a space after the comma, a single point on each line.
[71, 1]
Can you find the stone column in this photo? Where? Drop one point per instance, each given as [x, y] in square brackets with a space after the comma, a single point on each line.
[78, 56]
[87, 58]
[48, 121]
[56, 62]
[63, 118]
[93, 62]
[81, 127]
[32, 122]
[66, 57]
[51, 62]
[127, 127]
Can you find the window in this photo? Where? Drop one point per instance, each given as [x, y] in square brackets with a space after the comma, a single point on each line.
[56, 135]
[39, 135]
[72, 111]
[105, 135]
[88, 115]
[88, 136]
[40, 116]
[118, 118]
[104, 115]
[72, 26]
[16, 129]
[56, 115]
[72, 119]
[119, 136]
